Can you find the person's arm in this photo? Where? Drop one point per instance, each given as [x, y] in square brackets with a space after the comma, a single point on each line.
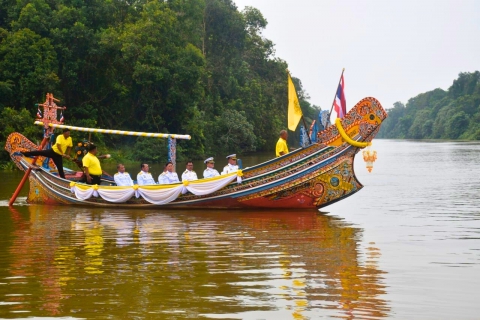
[85, 163]
[87, 174]
[69, 148]
[284, 149]
[278, 151]
[64, 155]
[59, 147]
[67, 152]
[162, 178]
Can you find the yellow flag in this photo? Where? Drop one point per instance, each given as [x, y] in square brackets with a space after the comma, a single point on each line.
[294, 111]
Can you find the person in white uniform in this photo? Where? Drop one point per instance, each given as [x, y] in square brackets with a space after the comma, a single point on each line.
[144, 177]
[122, 178]
[210, 172]
[189, 174]
[232, 164]
[168, 175]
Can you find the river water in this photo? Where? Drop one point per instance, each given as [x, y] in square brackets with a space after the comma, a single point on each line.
[407, 246]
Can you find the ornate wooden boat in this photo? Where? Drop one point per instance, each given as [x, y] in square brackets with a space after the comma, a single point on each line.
[310, 177]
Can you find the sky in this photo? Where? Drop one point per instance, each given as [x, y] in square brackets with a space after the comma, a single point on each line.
[391, 50]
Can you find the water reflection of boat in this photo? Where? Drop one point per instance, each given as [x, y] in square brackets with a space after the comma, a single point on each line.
[310, 177]
[234, 266]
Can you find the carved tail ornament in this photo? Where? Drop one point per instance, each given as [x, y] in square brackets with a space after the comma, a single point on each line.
[338, 124]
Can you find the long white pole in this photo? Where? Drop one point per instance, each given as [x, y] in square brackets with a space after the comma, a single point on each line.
[120, 132]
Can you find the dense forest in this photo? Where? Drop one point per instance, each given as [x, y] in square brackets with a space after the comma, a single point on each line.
[438, 114]
[197, 67]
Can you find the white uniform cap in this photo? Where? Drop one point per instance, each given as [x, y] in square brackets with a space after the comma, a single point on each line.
[232, 156]
[208, 159]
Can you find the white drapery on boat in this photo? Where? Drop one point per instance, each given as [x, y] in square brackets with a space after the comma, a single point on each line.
[160, 194]
[155, 194]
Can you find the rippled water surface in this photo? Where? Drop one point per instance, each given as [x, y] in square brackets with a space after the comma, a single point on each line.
[407, 246]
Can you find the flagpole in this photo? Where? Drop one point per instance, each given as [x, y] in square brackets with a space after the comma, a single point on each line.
[306, 130]
[334, 97]
[304, 123]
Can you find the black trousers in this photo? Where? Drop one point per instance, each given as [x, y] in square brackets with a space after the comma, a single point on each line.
[95, 179]
[49, 153]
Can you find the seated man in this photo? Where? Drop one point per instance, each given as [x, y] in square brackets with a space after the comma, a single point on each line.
[122, 178]
[168, 175]
[210, 172]
[232, 164]
[144, 177]
[91, 166]
[189, 174]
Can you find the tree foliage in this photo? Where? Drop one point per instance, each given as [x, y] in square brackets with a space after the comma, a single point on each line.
[438, 114]
[199, 67]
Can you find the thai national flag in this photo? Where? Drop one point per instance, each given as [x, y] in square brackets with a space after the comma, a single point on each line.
[340, 102]
[39, 113]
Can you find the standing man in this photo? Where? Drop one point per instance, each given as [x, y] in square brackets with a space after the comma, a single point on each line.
[122, 178]
[282, 147]
[189, 174]
[210, 172]
[232, 164]
[91, 166]
[61, 149]
[144, 177]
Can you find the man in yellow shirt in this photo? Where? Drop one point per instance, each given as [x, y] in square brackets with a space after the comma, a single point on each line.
[91, 165]
[282, 147]
[61, 149]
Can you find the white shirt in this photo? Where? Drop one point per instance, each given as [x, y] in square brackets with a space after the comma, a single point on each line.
[189, 175]
[210, 173]
[145, 178]
[123, 179]
[168, 177]
[229, 168]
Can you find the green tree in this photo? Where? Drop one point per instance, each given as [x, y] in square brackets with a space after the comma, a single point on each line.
[179, 66]
[390, 127]
[438, 114]
[456, 125]
[417, 129]
[36, 16]
[29, 62]
[234, 132]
